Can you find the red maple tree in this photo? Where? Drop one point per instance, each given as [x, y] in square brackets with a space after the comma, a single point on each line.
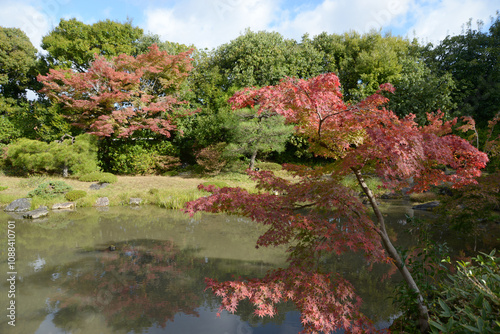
[121, 96]
[315, 213]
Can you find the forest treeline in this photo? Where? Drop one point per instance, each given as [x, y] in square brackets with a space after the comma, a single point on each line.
[150, 109]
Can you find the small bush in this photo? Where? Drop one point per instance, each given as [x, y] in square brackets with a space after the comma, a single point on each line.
[99, 177]
[3, 188]
[211, 158]
[73, 195]
[50, 189]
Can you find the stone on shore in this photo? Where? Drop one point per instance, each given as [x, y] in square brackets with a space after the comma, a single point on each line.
[64, 206]
[102, 201]
[42, 211]
[135, 201]
[19, 205]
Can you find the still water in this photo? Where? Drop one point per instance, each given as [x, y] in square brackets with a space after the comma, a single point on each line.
[126, 270]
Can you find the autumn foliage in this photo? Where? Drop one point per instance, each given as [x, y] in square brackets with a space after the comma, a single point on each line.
[119, 97]
[315, 213]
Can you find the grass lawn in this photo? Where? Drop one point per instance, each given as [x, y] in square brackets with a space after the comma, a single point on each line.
[164, 191]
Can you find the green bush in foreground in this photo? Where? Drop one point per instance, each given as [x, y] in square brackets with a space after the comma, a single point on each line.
[50, 189]
[470, 303]
[99, 177]
[73, 195]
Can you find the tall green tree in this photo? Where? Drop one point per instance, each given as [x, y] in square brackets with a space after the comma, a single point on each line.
[420, 91]
[17, 75]
[473, 59]
[253, 59]
[73, 44]
[362, 62]
[17, 63]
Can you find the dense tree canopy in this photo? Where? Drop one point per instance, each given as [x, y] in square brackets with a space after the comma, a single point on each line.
[73, 44]
[253, 59]
[473, 60]
[420, 91]
[17, 63]
[362, 62]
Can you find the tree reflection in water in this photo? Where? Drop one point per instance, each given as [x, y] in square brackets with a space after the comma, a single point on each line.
[143, 283]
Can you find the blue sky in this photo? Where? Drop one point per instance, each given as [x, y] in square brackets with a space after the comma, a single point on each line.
[210, 23]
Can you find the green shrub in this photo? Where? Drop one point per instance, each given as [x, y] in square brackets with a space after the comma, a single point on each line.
[218, 184]
[32, 156]
[50, 189]
[470, 302]
[133, 157]
[73, 195]
[99, 177]
[3, 188]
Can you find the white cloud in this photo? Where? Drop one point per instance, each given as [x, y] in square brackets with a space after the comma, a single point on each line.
[335, 16]
[34, 22]
[437, 19]
[209, 23]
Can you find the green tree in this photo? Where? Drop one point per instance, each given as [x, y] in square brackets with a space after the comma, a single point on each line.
[420, 91]
[145, 41]
[253, 59]
[73, 44]
[17, 74]
[473, 59]
[204, 129]
[362, 62]
[258, 133]
[17, 63]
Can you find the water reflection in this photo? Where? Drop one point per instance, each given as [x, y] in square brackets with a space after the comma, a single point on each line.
[142, 271]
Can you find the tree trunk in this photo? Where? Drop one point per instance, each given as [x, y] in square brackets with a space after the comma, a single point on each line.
[423, 320]
[65, 171]
[252, 160]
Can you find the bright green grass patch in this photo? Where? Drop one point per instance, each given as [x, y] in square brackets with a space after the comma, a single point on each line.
[218, 184]
[176, 200]
[374, 183]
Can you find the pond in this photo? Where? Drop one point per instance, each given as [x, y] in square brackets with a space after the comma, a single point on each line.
[142, 270]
